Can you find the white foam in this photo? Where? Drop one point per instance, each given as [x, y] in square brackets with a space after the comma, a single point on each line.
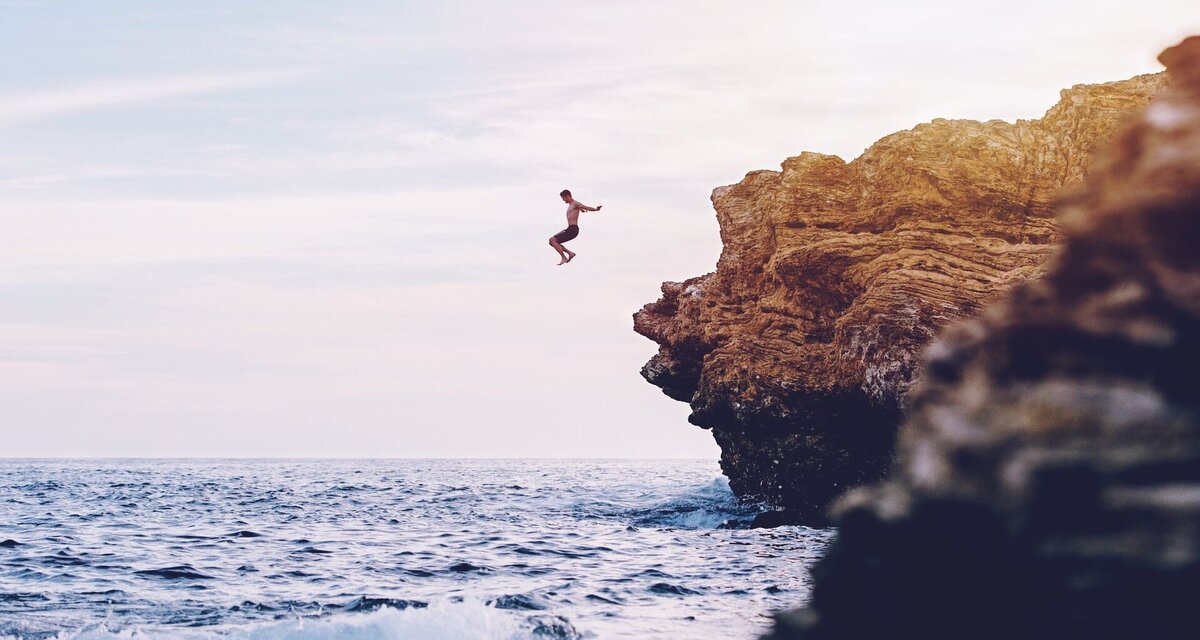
[441, 621]
[698, 519]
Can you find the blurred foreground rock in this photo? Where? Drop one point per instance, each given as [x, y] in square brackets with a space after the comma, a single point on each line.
[1048, 476]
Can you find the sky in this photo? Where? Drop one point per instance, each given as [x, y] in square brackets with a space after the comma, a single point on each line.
[319, 229]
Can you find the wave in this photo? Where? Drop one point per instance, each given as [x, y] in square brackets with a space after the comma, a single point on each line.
[439, 621]
[710, 506]
[180, 572]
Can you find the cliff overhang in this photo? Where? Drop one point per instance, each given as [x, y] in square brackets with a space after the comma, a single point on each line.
[799, 351]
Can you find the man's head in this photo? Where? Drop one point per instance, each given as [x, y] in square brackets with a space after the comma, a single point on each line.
[565, 195]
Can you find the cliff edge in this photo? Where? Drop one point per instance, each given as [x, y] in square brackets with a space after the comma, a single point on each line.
[799, 351]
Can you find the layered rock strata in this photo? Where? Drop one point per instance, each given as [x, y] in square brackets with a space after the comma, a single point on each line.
[1048, 479]
[800, 349]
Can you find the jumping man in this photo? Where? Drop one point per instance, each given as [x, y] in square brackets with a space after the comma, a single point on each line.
[572, 230]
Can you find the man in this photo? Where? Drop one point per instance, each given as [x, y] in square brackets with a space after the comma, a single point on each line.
[572, 230]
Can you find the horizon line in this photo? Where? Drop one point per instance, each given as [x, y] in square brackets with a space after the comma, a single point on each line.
[280, 458]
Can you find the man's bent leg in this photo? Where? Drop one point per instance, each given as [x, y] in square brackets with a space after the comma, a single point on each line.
[560, 249]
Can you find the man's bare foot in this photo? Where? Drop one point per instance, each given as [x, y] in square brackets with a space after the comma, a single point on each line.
[570, 256]
[563, 261]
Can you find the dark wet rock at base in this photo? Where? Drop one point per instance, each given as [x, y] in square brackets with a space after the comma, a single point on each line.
[770, 519]
[799, 351]
[1047, 483]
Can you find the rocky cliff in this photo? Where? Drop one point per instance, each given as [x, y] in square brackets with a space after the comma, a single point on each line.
[800, 349]
[1048, 479]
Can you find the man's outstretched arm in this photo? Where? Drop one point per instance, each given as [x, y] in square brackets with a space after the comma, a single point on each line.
[587, 208]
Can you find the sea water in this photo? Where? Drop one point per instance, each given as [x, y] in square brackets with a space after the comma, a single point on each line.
[372, 549]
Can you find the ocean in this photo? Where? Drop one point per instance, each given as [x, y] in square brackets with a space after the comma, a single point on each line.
[381, 549]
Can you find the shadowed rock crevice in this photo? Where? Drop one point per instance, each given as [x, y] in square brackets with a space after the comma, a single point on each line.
[800, 349]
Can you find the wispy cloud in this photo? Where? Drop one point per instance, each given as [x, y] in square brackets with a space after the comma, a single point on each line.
[23, 106]
[99, 172]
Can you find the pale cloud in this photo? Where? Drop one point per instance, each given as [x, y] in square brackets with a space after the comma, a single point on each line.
[21, 106]
[131, 230]
[102, 172]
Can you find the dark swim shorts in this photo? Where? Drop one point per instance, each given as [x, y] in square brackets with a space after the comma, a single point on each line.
[567, 234]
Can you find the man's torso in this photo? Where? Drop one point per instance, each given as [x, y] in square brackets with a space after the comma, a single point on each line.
[573, 210]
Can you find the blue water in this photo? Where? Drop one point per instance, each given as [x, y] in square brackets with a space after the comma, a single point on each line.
[388, 549]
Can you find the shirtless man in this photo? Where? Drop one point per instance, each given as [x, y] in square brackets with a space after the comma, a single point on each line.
[572, 230]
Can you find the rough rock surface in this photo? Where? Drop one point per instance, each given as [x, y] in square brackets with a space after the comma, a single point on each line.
[800, 349]
[1048, 479]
